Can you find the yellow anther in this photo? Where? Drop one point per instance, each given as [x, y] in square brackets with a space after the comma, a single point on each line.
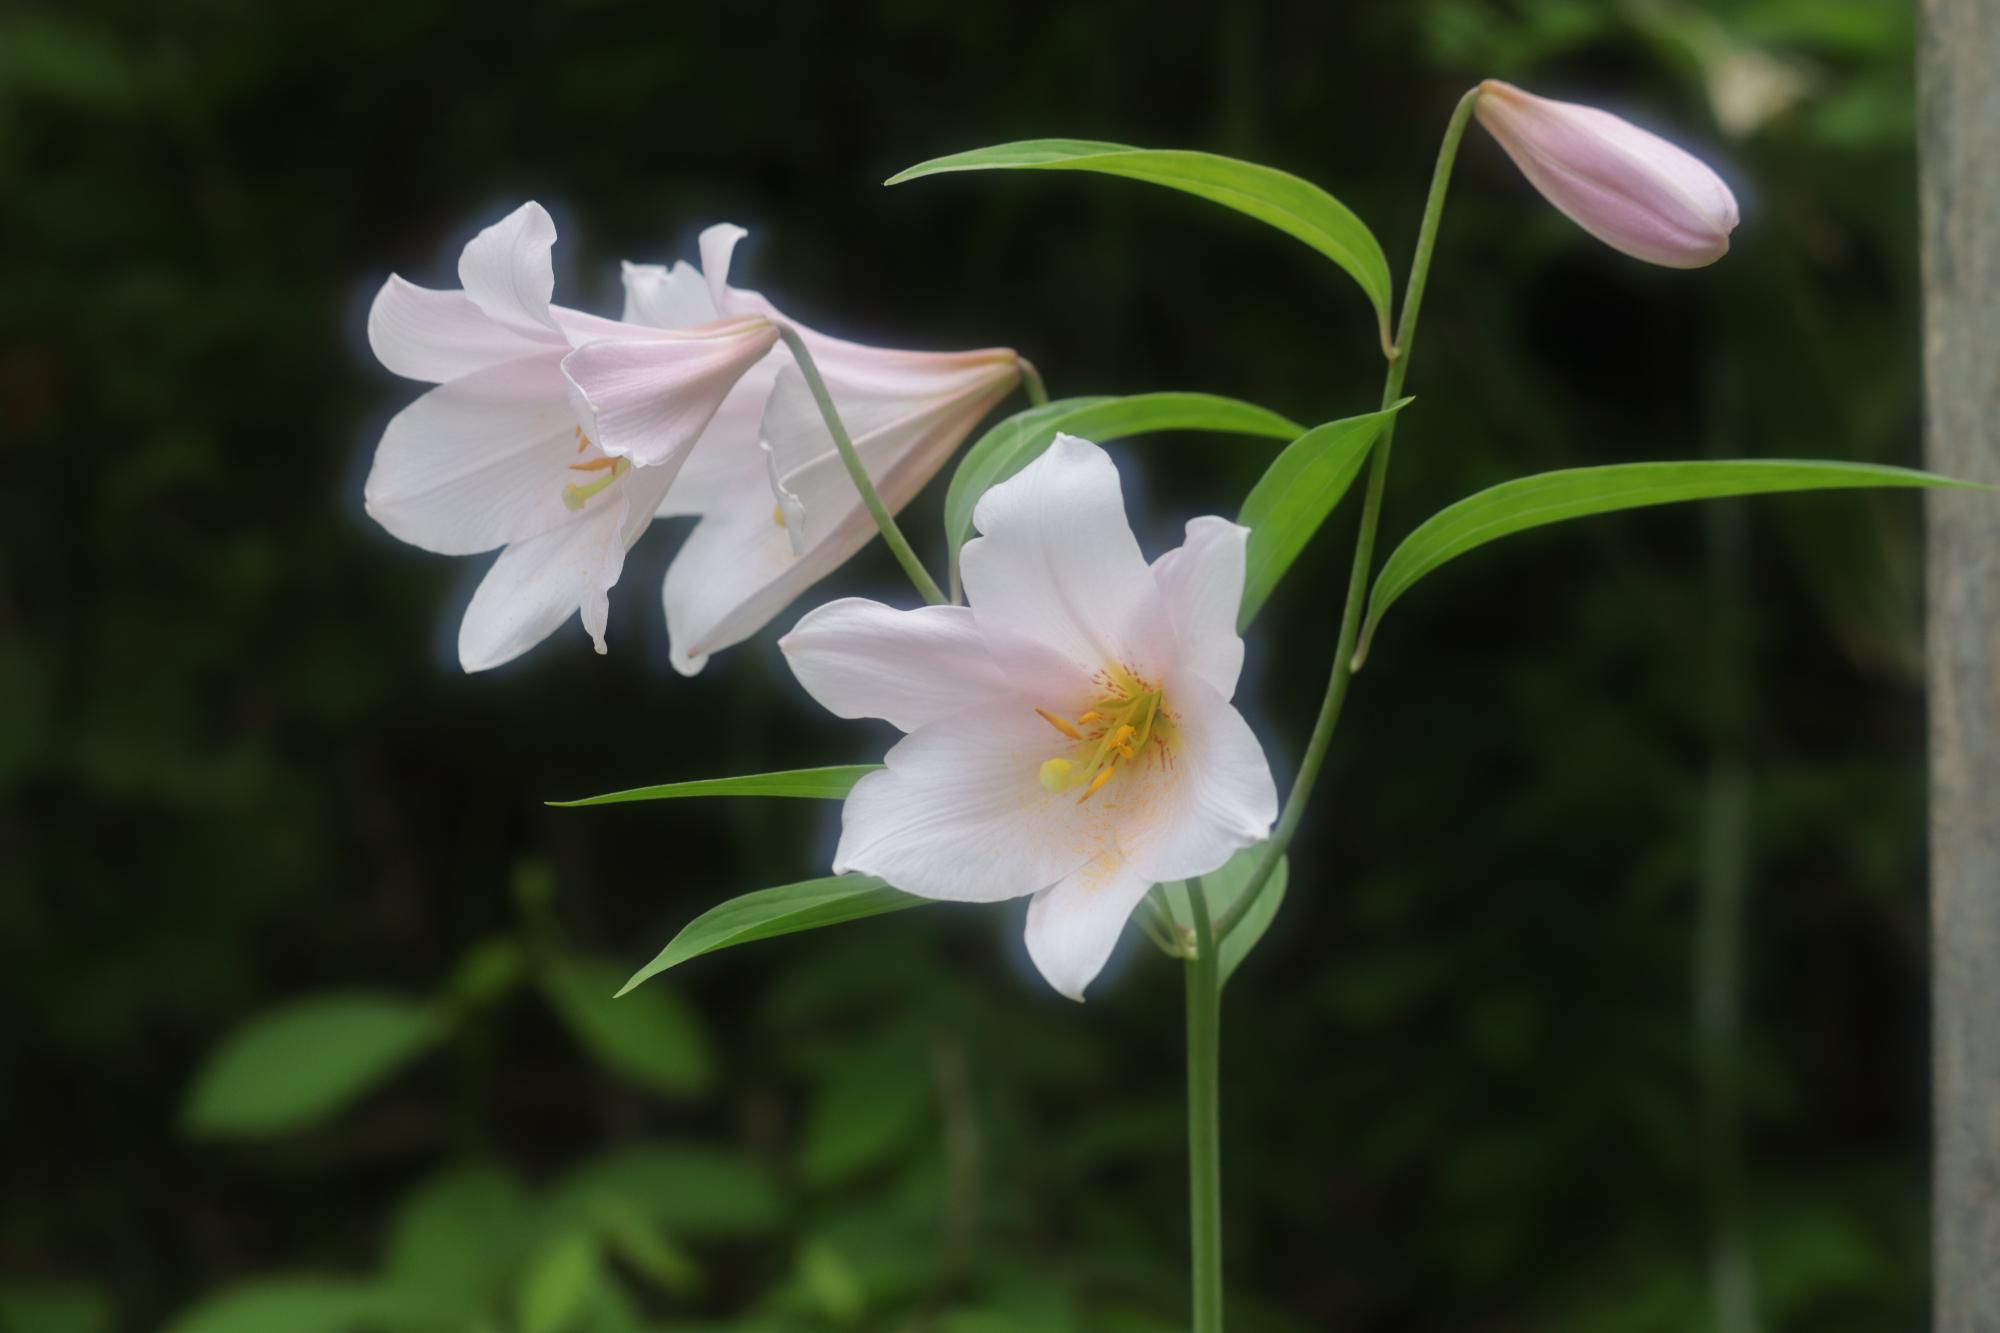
[1123, 734]
[1055, 774]
[778, 515]
[1061, 723]
[596, 465]
[582, 440]
[1092, 716]
[1096, 782]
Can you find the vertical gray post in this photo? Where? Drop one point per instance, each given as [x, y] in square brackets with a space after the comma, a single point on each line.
[1959, 78]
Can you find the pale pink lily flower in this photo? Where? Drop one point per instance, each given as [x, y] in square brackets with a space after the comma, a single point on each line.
[504, 453]
[1070, 732]
[778, 510]
[1627, 187]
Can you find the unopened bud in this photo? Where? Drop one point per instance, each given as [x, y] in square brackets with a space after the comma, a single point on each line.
[1629, 188]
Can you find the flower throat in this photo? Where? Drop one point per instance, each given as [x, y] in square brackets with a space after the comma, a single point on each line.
[1127, 721]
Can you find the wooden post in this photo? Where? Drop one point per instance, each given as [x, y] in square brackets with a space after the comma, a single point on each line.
[1959, 77]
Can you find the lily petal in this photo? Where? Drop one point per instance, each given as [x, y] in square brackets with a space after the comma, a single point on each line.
[1223, 797]
[905, 412]
[960, 813]
[1201, 582]
[736, 571]
[717, 244]
[1057, 562]
[1073, 926]
[728, 467]
[862, 659]
[478, 462]
[507, 271]
[667, 298]
[537, 584]
[650, 401]
[436, 336]
[743, 564]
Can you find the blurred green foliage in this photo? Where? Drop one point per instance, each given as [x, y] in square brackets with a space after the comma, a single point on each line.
[307, 990]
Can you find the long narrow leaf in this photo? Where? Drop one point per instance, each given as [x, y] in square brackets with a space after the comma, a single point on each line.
[1279, 199]
[823, 784]
[1533, 502]
[768, 913]
[1024, 437]
[1294, 496]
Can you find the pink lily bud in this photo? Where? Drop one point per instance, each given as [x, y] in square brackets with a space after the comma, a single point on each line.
[1630, 189]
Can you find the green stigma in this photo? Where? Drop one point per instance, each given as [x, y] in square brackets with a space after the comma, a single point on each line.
[575, 496]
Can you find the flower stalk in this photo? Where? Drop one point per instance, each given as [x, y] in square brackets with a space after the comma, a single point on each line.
[1346, 661]
[1204, 1045]
[892, 536]
[1031, 380]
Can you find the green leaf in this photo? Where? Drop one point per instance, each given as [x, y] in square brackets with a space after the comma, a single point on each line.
[784, 910]
[454, 1240]
[1025, 436]
[1223, 887]
[831, 1282]
[561, 1283]
[1550, 497]
[870, 1103]
[296, 1305]
[824, 784]
[1296, 207]
[303, 1062]
[487, 974]
[643, 1245]
[651, 1037]
[1296, 493]
[54, 1307]
[690, 1191]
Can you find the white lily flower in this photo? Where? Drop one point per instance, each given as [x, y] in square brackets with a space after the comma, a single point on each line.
[506, 452]
[1070, 733]
[778, 510]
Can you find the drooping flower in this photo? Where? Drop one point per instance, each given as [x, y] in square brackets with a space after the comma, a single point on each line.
[1627, 187]
[1070, 732]
[778, 510]
[506, 453]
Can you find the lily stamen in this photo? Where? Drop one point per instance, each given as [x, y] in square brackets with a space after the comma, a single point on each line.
[1063, 724]
[575, 497]
[1126, 721]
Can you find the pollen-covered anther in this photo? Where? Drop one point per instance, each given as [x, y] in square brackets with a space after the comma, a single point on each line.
[1063, 724]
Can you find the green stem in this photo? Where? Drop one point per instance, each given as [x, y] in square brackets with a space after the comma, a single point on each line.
[1364, 542]
[1204, 1046]
[892, 535]
[1031, 380]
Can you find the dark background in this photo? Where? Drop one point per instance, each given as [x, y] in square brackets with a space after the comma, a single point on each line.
[1581, 779]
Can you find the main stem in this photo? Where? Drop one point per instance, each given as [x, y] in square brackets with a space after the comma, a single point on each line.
[892, 536]
[1364, 542]
[1204, 1046]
